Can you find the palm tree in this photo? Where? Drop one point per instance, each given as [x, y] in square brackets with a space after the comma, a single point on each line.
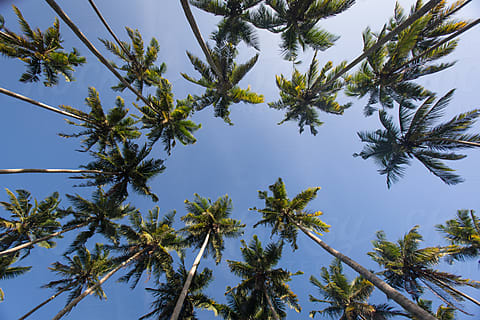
[349, 300]
[101, 128]
[463, 233]
[241, 306]
[41, 51]
[296, 21]
[167, 121]
[410, 268]
[301, 97]
[207, 224]
[167, 293]
[222, 91]
[149, 242]
[262, 280]
[80, 272]
[443, 313]
[29, 223]
[235, 25]
[127, 167]
[418, 137]
[7, 272]
[139, 61]
[286, 216]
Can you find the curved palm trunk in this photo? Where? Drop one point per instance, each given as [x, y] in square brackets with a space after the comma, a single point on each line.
[40, 104]
[13, 171]
[98, 284]
[391, 293]
[270, 304]
[380, 42]
[460, 293]
[44, 302]
[31, 243]
[188, 282]
[92, 48]
[198, 36]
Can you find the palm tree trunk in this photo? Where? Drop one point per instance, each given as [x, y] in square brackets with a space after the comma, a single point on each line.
[92, 48]
[198, 36]
[31, 243]
[380, 43]
[98, 284]
[270, 304]
[13, 171]
[44, 302]
[460, 293]
[42, 105]
[447, 303]
[188, 282]
[382, 285]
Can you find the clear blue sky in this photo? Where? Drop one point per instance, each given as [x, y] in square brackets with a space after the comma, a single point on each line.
[236, 160]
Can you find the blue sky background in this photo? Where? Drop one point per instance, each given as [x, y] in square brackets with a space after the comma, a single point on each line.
[236, 160]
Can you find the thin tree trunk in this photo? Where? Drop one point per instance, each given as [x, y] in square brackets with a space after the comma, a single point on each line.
[92, 48]
[31, 243]
[198, 36]
[188, 282]
[45, 302]
[98, 284]
[467, 143]
[13, 171]
[380, 42]
[448, 303]
[42, 105]
[380, 284]
[460, 293]
[270, 304]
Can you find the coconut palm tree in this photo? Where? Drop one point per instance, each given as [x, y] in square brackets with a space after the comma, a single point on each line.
[41, 51]
[29, 222]
[222, 91]
[166, 295]
[263, 281]
[302, 98]
[463, 233]
[149, 242]
[104, 129]
[296, 21]
[139, 61]
[8, 272]
[443, 313]
[410, 268]
[235, 25]
[127, 167]
[167, 121]
[80, 272]
[286, 216]
[349, 300]
[418, 136]
[207, 224]
[241, 306]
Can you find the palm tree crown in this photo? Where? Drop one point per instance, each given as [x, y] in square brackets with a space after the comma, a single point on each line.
[8, 272]
[42, 51]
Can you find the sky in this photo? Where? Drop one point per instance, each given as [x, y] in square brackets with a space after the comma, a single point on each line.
[236, 160]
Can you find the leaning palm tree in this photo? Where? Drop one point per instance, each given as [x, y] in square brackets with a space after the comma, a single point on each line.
[410, 268]
[286, 216]
[166, 295]
[443, 313]
[41, 51]
[104, 129]
[166, 121]
[149, 242]
[261, 279]
[305, 94]
[207, 224]
[223, 90]
[296, 21]
[463, 233]
[80, 272]
[8, 272]
[420, 137]
[347, 300]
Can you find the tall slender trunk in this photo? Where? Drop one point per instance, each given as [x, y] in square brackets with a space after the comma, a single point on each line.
[98, 284]
[45, 302]
[92, 48]
[447, 303]
[380, 42]
[13, 171]
[31, 243]
[40, 104]
[198, 36]
[377, 282]
[270, 304]
[460, 293]
[188, 282]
